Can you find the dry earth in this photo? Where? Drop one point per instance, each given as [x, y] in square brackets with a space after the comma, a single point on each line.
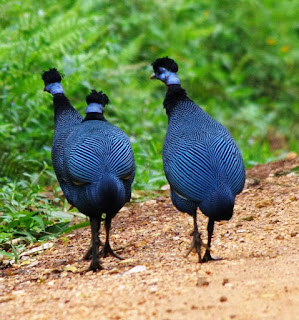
[257, 278]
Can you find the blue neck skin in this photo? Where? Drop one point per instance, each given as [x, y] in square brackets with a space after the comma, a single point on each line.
[168, 77]
[54, 88]
[94, 108]
[172, 78]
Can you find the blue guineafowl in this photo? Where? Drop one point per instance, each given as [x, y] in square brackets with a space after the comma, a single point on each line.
[202, 162]
[93, 161]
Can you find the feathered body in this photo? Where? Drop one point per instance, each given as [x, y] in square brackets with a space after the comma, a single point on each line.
[93, 161]
[202, 162]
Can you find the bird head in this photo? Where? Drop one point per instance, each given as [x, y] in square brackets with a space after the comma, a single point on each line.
[165, 69]
[52, 79]
[96, 102]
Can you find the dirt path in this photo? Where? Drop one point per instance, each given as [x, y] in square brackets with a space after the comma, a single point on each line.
[258, 277]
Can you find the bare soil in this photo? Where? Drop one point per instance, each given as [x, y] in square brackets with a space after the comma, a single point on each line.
[258, 277]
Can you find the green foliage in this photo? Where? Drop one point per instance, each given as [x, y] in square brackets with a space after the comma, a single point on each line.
[236, 58]
[26, 214]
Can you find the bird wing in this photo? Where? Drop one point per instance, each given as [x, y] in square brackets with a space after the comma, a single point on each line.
[95, 156]
[86, 160]
[200, 164]
[121, 158]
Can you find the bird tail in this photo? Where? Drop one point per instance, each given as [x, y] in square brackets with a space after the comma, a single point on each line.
[218, 205]
[107, 194]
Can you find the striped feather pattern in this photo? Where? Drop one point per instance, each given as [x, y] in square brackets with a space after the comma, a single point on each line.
[98, 147]
[200, 156]
[88, 156]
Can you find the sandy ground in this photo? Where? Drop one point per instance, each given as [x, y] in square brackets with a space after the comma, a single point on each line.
[258, 277]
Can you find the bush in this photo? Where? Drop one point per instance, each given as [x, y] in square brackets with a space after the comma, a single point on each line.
[236, 59]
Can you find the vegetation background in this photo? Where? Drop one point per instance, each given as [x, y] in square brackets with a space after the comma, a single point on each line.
[237, 59]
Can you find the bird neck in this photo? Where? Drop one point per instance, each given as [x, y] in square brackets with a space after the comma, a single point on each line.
[65, 115]
[62, 104]
[172, 78]
[94, 116]
[174, 95]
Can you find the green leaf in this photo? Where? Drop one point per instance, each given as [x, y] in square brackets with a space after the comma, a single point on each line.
[7, 254]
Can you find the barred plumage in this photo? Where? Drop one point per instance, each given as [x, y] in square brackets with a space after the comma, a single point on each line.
[202, 162]
[93, 161]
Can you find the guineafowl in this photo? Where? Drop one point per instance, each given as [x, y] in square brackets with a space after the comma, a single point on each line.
[202, 162]
[93, 161]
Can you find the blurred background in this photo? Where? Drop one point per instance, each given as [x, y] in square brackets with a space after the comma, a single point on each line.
[237, 60]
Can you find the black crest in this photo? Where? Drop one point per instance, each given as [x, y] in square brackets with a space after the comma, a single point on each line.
[51, 76]
[98, 97]
[166, 63]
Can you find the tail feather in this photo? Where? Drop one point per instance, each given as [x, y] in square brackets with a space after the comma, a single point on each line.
[218, 205]
[108, 195]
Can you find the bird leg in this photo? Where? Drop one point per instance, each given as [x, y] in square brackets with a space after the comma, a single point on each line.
[88, 255]
[107, 248]
[95, 223]
[196, 242]
[207, 256]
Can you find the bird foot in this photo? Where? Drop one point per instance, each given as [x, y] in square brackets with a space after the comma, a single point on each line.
[88, 254]
[94, 266]
[108, 250]
[196, 244]
[207, 257]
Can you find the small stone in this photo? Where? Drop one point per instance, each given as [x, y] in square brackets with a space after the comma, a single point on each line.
[279, 237]
[225, 281]
[292, 197]
[223, 299]
[136, 269]
[140, 244]
[264, 203]
[6, 298]
[127, 261]
[202, 282]
[250, 182]
[150, 202]
[142, 301]
[291, 156]
[166, 228]
[294, 234]
[152, 289]
[249, 218]
[113, 271]
[154, 282]
[70, 268]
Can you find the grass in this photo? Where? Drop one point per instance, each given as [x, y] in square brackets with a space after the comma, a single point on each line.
[236, 59]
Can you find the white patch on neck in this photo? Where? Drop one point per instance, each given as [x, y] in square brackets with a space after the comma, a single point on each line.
[54, 88]
[172, 78]
[94, 108]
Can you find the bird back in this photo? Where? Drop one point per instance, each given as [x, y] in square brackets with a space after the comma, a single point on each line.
[95, 148]
[98, 167]
[201, 160]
